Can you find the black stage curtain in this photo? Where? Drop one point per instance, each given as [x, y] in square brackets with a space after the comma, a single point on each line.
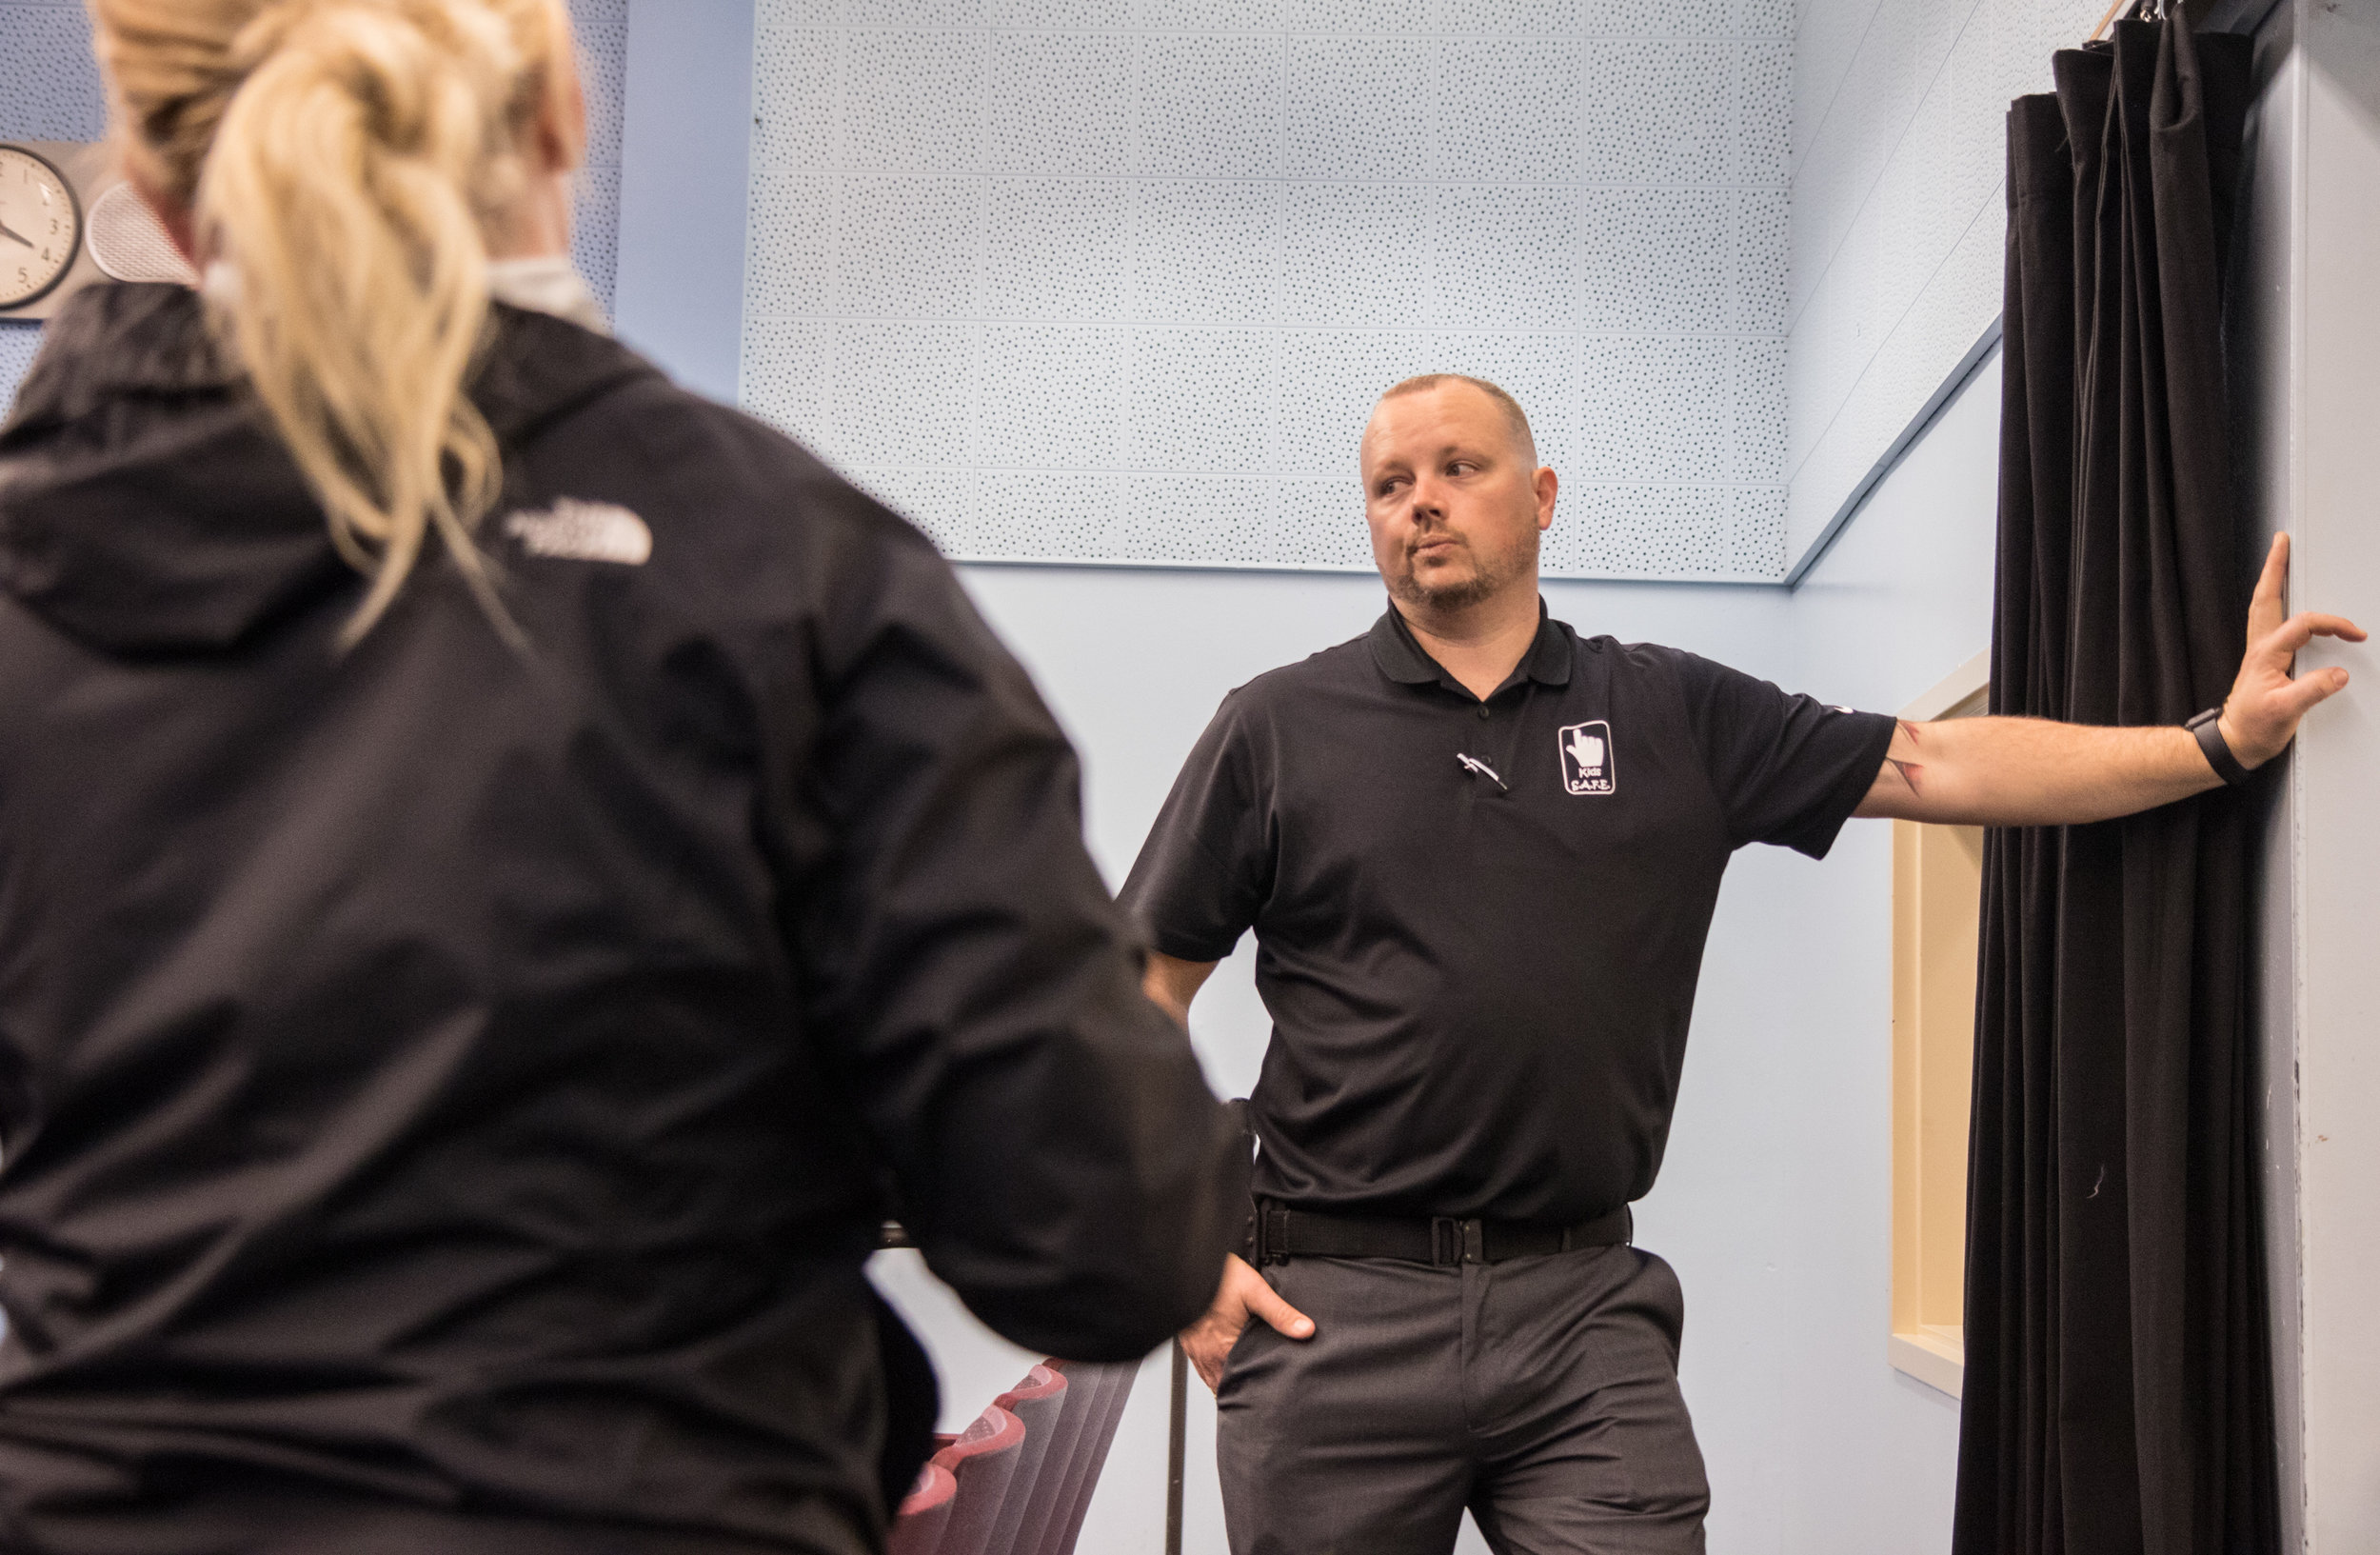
[2118, 1395]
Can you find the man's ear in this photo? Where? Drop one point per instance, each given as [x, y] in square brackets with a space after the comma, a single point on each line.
[1548, 487]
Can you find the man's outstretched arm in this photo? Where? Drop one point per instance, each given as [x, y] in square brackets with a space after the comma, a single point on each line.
[2028, 771]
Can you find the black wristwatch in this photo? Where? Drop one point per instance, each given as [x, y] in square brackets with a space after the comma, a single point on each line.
[2209, 729]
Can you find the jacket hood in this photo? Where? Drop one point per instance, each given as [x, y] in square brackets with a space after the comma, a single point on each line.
[144, 506]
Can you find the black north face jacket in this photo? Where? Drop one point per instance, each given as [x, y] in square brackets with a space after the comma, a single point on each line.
[448, 1088]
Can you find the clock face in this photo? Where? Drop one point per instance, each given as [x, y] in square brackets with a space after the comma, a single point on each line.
[40, 227]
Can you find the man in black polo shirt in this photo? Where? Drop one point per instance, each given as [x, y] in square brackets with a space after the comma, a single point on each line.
[1480, 854]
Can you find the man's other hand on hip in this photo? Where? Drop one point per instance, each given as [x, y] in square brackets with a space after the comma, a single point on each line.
[1242, 1298]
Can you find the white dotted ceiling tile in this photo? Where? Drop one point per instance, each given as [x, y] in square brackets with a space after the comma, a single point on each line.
[595, 231]
[1508, 110]
[1218, 15]
[601, 30]
[904, 394]
[1656, 18]
[1508, 18]
[1119, 280]
[1504, 258]
[941, 502]
[49, 80]
[1661, 113]
[1207, 253]
[947, 13]
[1320, 523]
[1058, 250]
[789, 379]
[906, 248]
[1202, 399]
[1059, 105]
[909, 101]
[1660, 261]
[18, 343]
[1061, 15]
[1341, 17]
[793, 99]
[1355, 254]
[1208, 107]
[790, 267]
[1050, 397]
[1047, 516]
[1656, 406]
[1357, 108]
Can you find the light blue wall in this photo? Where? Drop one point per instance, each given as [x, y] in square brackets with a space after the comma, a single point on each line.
[684, 188]
[1866, 1456]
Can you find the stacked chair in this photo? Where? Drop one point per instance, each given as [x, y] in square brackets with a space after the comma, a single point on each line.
[1019, 1480]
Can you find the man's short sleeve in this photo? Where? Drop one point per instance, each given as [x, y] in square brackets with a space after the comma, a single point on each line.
[1207, 868]
[1788, 770]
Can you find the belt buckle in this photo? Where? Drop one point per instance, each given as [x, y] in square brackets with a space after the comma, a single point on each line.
[1456, 1242]
[1272, 1235]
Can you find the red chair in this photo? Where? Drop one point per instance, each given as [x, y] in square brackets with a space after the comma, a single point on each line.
[923, 1514]
[1104, 1390]
[1049, 1498]
[983, 1460]
[1040, 1402]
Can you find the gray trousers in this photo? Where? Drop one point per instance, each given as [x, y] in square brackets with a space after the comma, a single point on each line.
[1541, 1393]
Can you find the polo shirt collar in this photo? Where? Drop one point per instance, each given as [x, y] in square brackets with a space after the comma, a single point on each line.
[1402, 659]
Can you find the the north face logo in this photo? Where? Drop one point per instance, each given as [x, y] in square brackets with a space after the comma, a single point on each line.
[584, 531]
[1587, 758]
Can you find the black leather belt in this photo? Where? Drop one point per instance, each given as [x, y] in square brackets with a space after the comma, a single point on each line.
[1282, 1233]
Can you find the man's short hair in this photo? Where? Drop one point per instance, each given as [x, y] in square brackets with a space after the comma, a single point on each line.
[1514, 415]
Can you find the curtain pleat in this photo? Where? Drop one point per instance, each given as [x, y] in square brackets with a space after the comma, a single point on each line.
[2117, 1393]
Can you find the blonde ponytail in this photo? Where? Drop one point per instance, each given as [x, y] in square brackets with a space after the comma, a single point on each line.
[343, 160]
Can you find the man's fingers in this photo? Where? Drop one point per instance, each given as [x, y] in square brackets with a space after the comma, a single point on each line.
[1207, 1359]
[1267, 1305]
[2264, 608]
[2298, 631]
[2308, 689]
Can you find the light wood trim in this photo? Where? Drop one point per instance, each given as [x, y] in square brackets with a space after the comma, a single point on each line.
[1949, 696]
[1937, 877]
[1932, 1361]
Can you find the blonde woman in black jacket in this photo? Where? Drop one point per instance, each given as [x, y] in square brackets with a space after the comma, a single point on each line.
[508, 871]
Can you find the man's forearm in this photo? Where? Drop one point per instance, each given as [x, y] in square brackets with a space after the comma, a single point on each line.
[1172, 982]
[2030, 771]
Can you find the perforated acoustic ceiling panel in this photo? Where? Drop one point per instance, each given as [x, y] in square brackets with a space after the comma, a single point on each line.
[1118, 280]
[601, 26]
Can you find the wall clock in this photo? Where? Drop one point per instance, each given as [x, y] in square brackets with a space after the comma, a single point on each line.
[41, 225]
[72, 222]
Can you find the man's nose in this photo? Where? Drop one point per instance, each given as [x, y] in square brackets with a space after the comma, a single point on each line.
[1429, 498]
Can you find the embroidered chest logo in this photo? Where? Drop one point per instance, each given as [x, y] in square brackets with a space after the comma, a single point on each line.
[584, 531]
[1587, 758]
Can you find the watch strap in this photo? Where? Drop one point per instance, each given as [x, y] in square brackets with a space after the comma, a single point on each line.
[2209, 730]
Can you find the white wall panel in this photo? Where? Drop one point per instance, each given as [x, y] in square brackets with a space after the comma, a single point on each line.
[1895, 220]
[1169, 253]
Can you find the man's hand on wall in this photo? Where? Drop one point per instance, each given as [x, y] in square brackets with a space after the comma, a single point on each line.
[2260, 716]
[2034, 773]
[1244, 1296]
